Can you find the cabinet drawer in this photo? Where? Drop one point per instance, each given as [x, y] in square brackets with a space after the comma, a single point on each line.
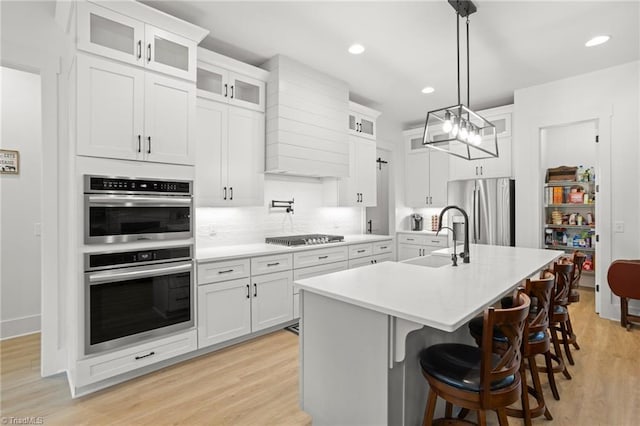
[411, 238]
[274, 263]
[383, 247]
[365, 261]
[320, 256]
[432, 240]
[314, 271]
[212, 272]
[360, 250]
[105, 366]
[386, 257]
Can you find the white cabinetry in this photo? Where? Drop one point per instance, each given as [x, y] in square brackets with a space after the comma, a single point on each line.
[106, 32]
[362, 121]
[272, 300]
[370, 253]
[224, 311]
[102, 367]
[226, 80]
[126, 113]
[412, 245]
[359, 189]
[426, 173]
[459, 168]
[230, 161]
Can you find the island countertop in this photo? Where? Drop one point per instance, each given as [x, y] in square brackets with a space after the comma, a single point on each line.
[444, 297]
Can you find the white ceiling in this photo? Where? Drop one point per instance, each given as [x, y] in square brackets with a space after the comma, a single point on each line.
[410, 45]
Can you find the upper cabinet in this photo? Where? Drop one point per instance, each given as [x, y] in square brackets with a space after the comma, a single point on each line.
[362, 121]
[426, 173]
[359, 189]
[459, 168]
[125, 113]
[139, 35]
[226, 80]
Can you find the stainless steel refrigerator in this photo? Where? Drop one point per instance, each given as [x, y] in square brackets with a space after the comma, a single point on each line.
[490, 204]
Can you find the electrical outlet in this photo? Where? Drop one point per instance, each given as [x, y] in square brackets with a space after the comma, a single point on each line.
[618, 227]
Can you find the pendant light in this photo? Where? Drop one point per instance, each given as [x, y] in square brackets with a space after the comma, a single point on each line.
[457, 129]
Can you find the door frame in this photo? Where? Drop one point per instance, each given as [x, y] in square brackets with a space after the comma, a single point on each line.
[390, 152]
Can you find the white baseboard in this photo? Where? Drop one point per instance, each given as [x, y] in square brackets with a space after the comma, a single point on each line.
[19, 326]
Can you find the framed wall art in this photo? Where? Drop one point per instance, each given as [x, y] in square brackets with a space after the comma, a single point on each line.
[9, 162]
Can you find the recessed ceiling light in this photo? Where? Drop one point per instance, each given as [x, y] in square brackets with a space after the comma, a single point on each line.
[597, 40]
[356, 49]
[428, 89]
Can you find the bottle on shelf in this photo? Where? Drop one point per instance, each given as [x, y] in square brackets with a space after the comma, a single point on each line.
[580, 173]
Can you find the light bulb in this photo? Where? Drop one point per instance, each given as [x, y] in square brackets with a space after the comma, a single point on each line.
[456, 127]
[463, 130]
[447, 125]
[472, 133]
[477, 139]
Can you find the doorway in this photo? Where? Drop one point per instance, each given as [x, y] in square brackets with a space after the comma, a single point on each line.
[377, 218]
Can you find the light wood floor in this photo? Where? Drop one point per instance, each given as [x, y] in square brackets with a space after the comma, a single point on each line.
[256, 383]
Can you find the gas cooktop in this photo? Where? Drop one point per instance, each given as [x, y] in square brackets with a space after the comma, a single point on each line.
[300, 240]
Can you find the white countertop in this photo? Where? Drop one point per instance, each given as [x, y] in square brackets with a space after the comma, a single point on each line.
[263, 249]
[424, 232]
[446, 297]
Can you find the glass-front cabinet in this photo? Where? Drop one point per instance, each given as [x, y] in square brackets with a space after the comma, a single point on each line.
[222, 85]
[111, 34]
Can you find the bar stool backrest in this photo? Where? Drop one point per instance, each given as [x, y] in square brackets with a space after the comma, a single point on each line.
[563, 271]
[540, 291]
[511, 323]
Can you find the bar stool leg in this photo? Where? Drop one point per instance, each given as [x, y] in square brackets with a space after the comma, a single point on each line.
[574, 339]
[524, 395]
[502, 417]
[533, 367]
[558, 351]
[566, 337]
[430, 409]
[482, 418]
[551, 376]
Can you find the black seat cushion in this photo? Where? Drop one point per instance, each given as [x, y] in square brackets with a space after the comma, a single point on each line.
[476, 325]
[458, 365]
[558, 309]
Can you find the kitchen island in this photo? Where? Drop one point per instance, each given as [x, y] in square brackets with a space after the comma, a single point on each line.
[362, 329]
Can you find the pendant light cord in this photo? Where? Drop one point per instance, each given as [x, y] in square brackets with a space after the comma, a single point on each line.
[458, 44]
[468, 86]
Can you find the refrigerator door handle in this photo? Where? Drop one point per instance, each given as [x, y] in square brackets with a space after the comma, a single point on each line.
[474, 207]
[479, 219]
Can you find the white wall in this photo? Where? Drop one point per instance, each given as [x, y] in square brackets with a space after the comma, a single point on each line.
[20, 204]
[247, 225]
[612, 95]
[569, 146]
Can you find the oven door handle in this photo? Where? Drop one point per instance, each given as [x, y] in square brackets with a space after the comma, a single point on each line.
[136, 200]
[144, 272]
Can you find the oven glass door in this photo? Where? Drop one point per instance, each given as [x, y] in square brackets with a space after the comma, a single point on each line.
[132, 218]
[125, 306]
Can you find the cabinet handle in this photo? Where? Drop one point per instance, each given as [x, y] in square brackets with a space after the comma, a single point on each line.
[426, 200]
[361, 251]
[481, 171]
[149, 52]
[225, 272]
[145, 356]
[248, 292]
[322, 257]
[231, 92]
[436, 241]
[225, 90]
[357, 197]
[410, 239]
[476, 170]
[375, 261]
[430, 200]
[139, 143]
[383, 247]
[149, 147]
[273, 264]
[139, 49]
[225, 193]
[231, 193]
[255, 290]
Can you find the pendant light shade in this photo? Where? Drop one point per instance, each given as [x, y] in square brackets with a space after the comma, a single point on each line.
[457, 129]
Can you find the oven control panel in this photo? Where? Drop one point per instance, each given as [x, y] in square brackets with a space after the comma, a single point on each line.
[117, 259]
[135, 185]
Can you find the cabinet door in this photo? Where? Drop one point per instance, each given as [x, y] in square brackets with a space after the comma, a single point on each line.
[357, 263]
[110, 108]
[460, 168]
[245, 157]
[272, 300]
[110, 34]
[212, 82]
[409, 251]
[348, 189]
[438, 178]
[367, 127]
[211, 165]
[170, 109]
[366, 172]
[417, 179]
[224, 311]
[169, 53]
[501, 166]
[353, 123]
[246, 92]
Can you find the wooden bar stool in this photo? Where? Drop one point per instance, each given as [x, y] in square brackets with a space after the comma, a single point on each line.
[540, 292]
[578, 259]
[558, 317]
[474, 378]
[623, 277]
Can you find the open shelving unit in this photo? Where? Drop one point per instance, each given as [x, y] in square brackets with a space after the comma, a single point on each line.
[578, 228]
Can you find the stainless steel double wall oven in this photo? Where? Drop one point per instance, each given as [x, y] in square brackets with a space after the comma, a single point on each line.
[141, 292]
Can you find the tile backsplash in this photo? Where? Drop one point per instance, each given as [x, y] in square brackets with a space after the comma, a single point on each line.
[246, 225]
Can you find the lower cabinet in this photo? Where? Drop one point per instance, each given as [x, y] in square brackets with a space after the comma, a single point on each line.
[224, 311]
[370, 260]
[415, 245]
[271, 302]
[310, 272]
[101, 367]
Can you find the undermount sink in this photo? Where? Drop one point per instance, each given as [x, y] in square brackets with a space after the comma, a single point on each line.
[430, 261]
